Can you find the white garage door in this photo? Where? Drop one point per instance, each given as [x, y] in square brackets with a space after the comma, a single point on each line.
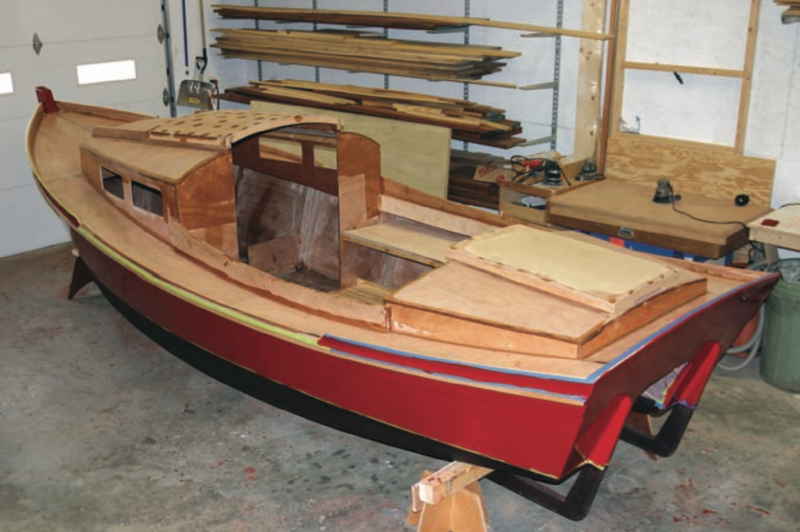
[72, 33]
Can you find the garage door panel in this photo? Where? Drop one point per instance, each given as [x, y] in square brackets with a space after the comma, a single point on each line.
[28, 221]
[73, 32]
[57, 69]
[75, 20]
[15, 170]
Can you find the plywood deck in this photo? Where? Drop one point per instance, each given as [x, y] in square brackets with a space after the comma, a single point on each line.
[187, 277]
[584, 272]
[421, 243]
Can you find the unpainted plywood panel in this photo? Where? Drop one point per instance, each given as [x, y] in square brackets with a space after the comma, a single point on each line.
[613, 283]
[711, 172]
[417, 155]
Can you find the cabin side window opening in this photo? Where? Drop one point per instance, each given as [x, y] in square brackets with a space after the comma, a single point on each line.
[147, 198]
[112, 183]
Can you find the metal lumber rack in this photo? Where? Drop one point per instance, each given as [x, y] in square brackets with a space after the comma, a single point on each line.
[287, 15]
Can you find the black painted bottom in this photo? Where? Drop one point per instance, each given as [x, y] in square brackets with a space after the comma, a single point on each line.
[292, 400]
[524, 483]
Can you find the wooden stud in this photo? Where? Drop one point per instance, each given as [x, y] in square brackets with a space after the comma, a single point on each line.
[684, 69]
[747, 81]
[590, 67]
[617, 73]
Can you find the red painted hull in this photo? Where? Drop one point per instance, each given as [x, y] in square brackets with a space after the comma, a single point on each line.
[477, 410]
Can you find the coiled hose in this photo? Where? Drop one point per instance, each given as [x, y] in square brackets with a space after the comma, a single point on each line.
[754, 343]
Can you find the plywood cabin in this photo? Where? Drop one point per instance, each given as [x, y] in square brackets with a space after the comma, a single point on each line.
[294, 208]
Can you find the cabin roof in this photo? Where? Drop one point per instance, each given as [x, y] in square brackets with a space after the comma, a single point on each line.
[218, 127]
[168, 164]
[169, 149]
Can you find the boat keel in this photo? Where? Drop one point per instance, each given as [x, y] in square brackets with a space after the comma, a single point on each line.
[669, 435]
[81, 276]
[574, 505]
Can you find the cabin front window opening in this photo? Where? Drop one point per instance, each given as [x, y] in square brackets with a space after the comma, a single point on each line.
[105, 72]
[112, 183]
[6, 83]
[287, 151]
[147, 198]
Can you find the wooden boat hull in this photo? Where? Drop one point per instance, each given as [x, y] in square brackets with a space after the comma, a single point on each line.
[457, 419]
[525, 415]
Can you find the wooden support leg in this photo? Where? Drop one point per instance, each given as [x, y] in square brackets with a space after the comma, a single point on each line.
[464, 511]
[450, 500]
[81, 276]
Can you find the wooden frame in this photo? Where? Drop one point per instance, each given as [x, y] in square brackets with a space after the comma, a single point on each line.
[713, 170]
[621, 65]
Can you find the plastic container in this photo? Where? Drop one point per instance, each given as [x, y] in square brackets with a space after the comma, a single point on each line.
[780, 352]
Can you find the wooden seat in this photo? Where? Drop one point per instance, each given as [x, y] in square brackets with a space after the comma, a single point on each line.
[410, 240]
[366, 292]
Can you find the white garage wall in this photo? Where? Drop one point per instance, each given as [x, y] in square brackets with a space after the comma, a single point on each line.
[74, 32]
[774, 125]
[25, 223]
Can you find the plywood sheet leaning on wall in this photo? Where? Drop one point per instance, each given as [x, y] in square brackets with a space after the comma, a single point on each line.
[709, 171]
[427, 170]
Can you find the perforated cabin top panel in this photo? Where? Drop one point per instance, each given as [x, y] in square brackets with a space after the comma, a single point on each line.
[227, 127]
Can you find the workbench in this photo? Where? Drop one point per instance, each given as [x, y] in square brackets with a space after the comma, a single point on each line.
[780, 228]
[626, 210]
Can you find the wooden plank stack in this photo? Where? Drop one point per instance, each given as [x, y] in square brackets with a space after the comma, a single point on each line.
[468, 121]
[408, 21]
[365, 52]
[792, 12]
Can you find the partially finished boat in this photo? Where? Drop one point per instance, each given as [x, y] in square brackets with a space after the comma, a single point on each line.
[270, 252]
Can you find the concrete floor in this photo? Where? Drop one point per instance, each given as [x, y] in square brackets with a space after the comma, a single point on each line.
[101, 430]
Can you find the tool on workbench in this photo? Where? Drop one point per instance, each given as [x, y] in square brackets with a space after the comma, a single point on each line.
[546, 172]
[663, 192]
[588, 171]
[552, 174]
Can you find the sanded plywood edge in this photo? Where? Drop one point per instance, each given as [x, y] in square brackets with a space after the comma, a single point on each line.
[708, 171]
[461, 291]
[428, 166]
[429, 323]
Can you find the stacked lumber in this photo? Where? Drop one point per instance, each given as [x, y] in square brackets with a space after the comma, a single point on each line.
[408, 21]
[468, 121]
[462, 186]
[365, 52]
[792, 12]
